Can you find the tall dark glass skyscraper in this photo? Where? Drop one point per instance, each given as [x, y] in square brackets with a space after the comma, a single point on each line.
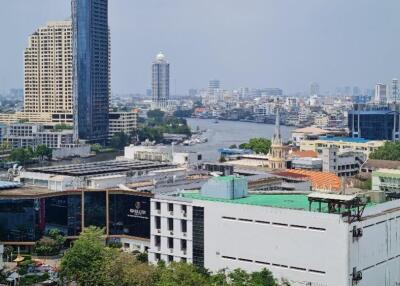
[91, 69]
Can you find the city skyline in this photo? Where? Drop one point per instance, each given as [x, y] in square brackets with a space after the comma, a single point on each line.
[270, 44]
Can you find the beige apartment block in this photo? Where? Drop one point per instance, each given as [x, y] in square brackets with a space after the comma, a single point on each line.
[48, 73]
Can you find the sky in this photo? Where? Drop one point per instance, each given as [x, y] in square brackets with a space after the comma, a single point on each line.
[243, 43]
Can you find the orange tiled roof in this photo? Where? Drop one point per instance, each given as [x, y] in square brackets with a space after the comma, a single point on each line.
[308, 153]
[320, 180]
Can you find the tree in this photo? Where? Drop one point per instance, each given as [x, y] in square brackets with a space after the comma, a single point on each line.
[156, 116]
[262, 278]
[258, 145]
[42, 151]
[389, 151]
[51, 244]
[181, 274]
[85, 261]
[119, 140]
[124, 269]
[21, 155]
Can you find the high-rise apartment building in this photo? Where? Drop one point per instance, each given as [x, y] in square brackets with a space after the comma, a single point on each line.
[91, 52]
[160, 82]
[380, 93]
[395, 90]
[48, 72]
[314, 89]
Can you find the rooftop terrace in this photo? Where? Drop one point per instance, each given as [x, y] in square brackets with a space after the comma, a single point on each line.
[287, 201]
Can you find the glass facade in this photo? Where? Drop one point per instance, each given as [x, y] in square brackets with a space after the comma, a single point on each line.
[95, 209]
[91, 69]
[27, 220]
[63, 213]
[198, 236]
[19, 220]
[129, 215]
[374, 125]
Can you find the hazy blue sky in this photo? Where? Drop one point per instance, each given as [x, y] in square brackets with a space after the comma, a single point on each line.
[257, 43]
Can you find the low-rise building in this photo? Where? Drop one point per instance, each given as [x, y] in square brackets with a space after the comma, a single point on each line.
[343, 143]
[122, 121]
[387, 180]
[31, 134]
[303, 238]
[344, 164]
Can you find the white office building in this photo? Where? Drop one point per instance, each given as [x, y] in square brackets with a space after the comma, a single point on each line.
[315, 239]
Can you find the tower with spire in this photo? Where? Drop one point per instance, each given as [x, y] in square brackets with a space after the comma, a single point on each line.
[278, 152]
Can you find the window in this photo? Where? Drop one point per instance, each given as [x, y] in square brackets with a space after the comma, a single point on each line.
[170, 207]
[158, 256]
[170, 242]
[183, 225]
[170, 224]
[184, 208]
[158, 222]
[158, 206]
[183, 245]
[170, 258]
[157, 241]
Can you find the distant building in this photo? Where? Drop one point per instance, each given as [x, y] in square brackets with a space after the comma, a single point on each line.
[381, 93]
[314, 89]
[122, 121]
[374, 122]
[387, 180]
[395, 90]
[343, 143]
[160, 82]
[91, 55]
[344, 164]
[47, 77]
[30, 134]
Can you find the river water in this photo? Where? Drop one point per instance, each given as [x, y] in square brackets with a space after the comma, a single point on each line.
[227, 133]
[219, 135]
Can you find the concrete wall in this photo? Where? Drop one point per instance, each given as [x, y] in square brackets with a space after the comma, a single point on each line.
[297, 245]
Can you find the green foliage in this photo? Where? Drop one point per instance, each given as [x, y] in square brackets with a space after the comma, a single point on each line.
[90, 262]
[22, 155]
[42, 151]
[151, 134]
[156, 116]
[62, 126]
[84, 262]
[95, 147]
[181, 274]
[120, 140]
[183, 113]
[258, 145]
[51, 244]
[32, 279]
[114, 244]
[142, 257]
[158, 124]
[389, 151]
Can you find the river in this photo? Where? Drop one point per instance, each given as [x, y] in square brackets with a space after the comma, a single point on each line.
[227, 133]
[219, 135]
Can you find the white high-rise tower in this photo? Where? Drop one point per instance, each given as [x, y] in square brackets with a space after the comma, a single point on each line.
[160, 82]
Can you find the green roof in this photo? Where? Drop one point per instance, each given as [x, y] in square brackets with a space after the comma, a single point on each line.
[287, 201]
